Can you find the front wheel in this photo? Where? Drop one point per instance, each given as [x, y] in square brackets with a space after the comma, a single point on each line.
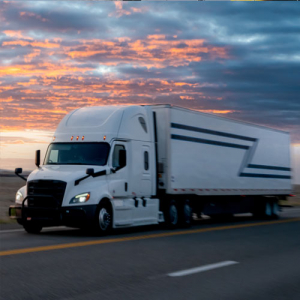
[103, 220]
[33, 228]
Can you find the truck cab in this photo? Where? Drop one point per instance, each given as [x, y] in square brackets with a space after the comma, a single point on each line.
[99, 171]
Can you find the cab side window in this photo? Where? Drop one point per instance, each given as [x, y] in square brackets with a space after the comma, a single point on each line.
[146, 160]
[116, 156]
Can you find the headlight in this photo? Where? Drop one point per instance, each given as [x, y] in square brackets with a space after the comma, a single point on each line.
[19, 197]
[80, 198]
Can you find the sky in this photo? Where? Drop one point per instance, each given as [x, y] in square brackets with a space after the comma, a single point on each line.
[236, 59]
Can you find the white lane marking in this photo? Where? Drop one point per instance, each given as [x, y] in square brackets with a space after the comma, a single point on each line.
[203, 268]
[44, 229]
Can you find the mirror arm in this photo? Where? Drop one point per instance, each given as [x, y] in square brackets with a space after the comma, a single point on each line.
[80, 179]
[101, 173]
[21, 176]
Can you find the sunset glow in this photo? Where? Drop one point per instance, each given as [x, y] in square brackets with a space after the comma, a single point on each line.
[56, 58]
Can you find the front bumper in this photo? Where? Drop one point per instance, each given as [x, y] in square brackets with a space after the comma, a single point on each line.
[73, 216]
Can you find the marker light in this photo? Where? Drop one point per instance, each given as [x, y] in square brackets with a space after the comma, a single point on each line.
[72, 137]
[77, 137]
[104, 138]
[54, 138]
[82, 138]
[80, 198]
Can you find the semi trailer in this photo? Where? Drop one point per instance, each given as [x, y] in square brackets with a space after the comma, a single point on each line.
[121, 166]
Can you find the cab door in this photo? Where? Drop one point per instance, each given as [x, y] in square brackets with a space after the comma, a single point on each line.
[146, 211]
[119, 184]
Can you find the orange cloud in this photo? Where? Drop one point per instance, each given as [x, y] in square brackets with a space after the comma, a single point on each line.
[187, 98]
[154, 51]
[136, 10]
[215, 111]
[30, 82]
[53, 78]
[45, 44]
[49, 69]
[156, 36]
[33, 15]
[30, 56]
[17, 34]
[119, 10]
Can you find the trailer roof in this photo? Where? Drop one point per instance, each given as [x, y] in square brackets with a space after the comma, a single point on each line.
[219, 117]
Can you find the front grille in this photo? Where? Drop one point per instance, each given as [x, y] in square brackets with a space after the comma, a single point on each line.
[45, 193]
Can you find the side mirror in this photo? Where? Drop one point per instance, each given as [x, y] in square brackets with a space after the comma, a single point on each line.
[38, 158]
[122, 158]
[18, 171]
[89, 171]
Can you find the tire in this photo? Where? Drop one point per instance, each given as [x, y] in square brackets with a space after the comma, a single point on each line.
[172, 215]
[267, 209]
[103, 219]
[186, 214]
[275, 210]
[33, 228]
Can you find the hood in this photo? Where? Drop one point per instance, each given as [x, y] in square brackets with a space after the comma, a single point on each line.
[68, 174]
[65, 173]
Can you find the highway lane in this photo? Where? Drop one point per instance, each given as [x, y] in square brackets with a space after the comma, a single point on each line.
[267, 262]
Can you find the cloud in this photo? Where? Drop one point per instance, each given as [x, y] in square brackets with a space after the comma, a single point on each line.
[218, 59]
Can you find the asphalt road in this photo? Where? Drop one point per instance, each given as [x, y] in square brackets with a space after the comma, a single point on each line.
[239, 259]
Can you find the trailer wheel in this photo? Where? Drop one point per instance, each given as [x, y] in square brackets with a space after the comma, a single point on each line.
[172, 215]
[103, 218]
[33, 227]
[186, 214]
[267, 209]
[275, 210]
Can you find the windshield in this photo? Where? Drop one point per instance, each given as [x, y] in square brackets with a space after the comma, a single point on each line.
[77, 154]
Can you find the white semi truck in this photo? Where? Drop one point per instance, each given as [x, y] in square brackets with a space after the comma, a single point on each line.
[121, 166]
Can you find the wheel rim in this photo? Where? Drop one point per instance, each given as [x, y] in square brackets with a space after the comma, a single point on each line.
[187, 210]
[275, 209]
[268, 209]
[104, 219]
[173, 214]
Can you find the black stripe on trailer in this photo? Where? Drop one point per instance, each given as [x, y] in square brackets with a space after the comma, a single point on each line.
[248, 155]
[213, 132]
[210, 142]
[252, 166]
[265, 175]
